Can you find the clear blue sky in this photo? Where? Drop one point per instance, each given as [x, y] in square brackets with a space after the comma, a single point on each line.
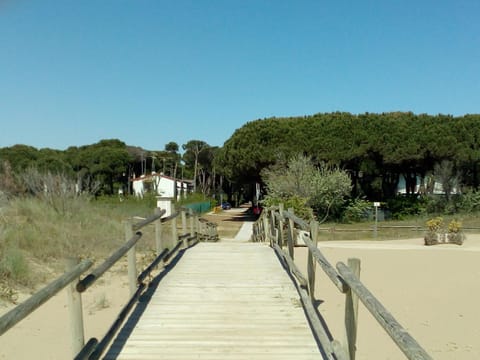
[149, 72]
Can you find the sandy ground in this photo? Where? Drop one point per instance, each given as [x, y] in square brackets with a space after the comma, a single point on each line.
[45, 334]
[434, 292]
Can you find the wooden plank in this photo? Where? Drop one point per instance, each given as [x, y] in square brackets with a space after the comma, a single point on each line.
[222, 300]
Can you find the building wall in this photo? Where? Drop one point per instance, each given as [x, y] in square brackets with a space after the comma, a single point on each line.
[162, 186]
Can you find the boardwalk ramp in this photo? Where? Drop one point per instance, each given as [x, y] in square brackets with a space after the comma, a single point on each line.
[227, 300]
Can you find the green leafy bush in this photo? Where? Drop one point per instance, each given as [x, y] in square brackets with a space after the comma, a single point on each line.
[470, 201]
[404, 206]
[357, 210]
[297, 203]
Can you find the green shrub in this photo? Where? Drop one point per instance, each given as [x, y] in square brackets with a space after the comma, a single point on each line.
[438, 204]
[357, 210]
[470, 201]
[403, 206]
[297, 203]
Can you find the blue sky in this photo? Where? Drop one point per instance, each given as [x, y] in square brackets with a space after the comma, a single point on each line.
[151, 72]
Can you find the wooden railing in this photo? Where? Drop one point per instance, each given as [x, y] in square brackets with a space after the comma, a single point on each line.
[166, 248]
[283, 230]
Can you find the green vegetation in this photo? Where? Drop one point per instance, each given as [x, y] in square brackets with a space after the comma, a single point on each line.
[107, 166]
[54, 202]
[375, 149]
[298, 183]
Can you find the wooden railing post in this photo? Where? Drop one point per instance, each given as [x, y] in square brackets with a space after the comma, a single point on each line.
[272, 225]
[280, 226]
[201, 230]
[351, 312]
[290, 236]
[75, 309]
[192, 222]
[174, 228]
[131, 257]
[184, 228]
[311, 264]
[265, 227]
[197, 227]
[158, 233]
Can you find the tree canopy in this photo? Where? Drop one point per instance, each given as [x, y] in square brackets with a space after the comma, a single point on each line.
[375, 149]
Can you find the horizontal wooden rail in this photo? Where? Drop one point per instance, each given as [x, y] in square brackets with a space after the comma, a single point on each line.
[148, 220]
[292, 266]
[87, 349]
[173, 251]
[85, 283]
[325, 265]
[152, 266]
[400, 336]
[413, 227]
[183, 236]
[331, 350]
[95, 350]
[28, 306]
[303, 225]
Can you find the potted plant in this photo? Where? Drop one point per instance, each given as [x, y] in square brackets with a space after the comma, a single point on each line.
[455, 234]
[434, 232]
[438, 234]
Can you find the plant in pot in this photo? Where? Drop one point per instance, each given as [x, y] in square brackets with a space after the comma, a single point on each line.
[434, 231]
[455, 234]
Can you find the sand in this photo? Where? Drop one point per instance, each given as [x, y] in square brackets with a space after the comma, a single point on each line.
[45, 334]
[434, 292]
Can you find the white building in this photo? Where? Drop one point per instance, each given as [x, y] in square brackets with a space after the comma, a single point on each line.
[435, 187]
[160, 185]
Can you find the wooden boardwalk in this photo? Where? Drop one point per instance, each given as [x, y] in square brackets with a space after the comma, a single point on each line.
[224, 300]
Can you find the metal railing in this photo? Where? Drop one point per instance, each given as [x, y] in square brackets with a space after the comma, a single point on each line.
[283, 230]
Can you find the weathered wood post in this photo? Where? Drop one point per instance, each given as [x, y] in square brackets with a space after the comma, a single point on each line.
[174, 228]
[184, 228]
[311, 263]
[192, 222]
[291, 235]
[351, 312]
[272, 225]
[281, 222]
[266, 228]
[197, 227]
[131, 257]
[201, 230]
[158, 232]
[75, 310]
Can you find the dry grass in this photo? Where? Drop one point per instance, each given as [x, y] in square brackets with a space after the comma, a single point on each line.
[35, 238]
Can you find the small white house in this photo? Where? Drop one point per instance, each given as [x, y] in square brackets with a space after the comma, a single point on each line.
[160, 185]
